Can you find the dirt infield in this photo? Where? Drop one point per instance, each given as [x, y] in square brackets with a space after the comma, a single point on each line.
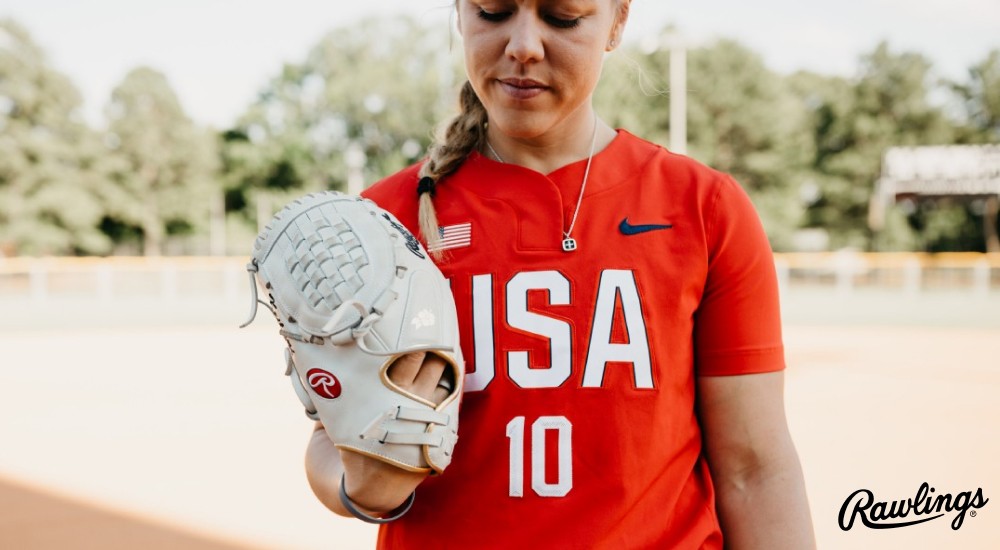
[33, 518]
[190, 437]
[886, 409]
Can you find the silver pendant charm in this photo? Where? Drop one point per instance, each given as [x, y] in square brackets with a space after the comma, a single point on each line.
[569, 244]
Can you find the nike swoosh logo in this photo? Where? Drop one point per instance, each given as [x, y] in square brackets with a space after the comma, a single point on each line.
[629, 229]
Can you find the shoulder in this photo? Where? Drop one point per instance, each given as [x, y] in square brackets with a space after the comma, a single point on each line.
[397, 194]
[681, 164]
[659, 169]
[652, 160]
[396, 189]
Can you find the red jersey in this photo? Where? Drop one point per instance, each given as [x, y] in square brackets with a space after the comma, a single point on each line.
[579, 427]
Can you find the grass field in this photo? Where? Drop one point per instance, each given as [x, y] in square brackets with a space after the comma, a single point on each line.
[159, 425]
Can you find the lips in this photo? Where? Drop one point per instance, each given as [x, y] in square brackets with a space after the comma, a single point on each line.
[521, 88]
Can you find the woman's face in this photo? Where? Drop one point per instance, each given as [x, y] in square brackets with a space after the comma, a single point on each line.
[535, 63]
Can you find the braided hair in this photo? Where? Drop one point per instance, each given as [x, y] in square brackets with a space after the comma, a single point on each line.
[464, 134]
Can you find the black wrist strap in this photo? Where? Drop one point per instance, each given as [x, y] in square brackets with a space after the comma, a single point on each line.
[353, 509]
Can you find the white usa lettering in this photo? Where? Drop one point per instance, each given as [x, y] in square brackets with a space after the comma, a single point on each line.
[557, 331]
[614, 285]
[482, 334]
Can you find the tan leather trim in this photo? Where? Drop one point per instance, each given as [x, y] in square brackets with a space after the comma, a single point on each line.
[387, 460]
[384, 376]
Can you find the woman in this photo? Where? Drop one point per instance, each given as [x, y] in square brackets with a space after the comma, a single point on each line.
[619, 318]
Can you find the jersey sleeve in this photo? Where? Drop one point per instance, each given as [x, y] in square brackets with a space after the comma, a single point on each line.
[737, 327]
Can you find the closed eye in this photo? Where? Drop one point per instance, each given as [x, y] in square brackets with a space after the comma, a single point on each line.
[560, 23]
[493, 17]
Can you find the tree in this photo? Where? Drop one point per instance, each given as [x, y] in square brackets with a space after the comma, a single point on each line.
[378, 98]
[853, 123]
[980, 96]
[836, 204]
[50, 162]
[163, 173]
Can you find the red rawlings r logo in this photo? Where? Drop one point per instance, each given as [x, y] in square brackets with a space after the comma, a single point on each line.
[324, 383]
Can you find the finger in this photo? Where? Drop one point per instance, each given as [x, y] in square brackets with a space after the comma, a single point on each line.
[404, 370]
[430, 374]
[440, 394]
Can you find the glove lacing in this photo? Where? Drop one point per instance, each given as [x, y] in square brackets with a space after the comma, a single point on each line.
[254, 299]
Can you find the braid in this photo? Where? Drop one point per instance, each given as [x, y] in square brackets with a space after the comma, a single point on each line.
[465, 133]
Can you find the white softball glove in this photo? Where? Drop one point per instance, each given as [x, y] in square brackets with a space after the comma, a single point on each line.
[353, 290]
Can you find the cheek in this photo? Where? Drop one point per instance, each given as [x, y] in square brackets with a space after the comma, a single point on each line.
[480, 47]
[479, 69]
[477, 60]
[583, 62]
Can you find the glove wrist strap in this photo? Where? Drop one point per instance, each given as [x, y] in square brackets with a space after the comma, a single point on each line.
[356, 512]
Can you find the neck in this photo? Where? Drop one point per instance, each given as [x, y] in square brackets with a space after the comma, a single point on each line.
[553, 150]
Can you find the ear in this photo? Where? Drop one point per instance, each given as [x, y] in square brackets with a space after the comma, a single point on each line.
[618, 29]
[458, 17]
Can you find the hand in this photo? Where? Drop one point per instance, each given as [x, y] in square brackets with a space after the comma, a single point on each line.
[373, 485]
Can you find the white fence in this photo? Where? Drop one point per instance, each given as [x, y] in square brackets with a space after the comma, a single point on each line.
[909, 273]
[176, 278]
[167, 278]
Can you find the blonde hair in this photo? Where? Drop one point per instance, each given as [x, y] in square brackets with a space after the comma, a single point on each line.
[464, 134]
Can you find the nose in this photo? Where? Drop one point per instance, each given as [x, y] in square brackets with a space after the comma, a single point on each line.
[525, 44]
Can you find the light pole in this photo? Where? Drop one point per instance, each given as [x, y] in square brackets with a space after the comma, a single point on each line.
[677, 45]
[355, 159]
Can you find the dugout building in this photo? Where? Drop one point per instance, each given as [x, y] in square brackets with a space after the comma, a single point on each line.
[970, 172]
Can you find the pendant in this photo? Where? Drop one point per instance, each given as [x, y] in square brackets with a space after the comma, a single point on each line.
[569, 244]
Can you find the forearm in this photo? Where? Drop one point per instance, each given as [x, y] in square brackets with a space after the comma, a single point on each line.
[765, 507]
[373, 486]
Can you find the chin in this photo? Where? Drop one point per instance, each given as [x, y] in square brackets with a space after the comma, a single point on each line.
[522, 125]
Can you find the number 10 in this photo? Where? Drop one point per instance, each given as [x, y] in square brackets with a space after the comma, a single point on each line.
[564, 481]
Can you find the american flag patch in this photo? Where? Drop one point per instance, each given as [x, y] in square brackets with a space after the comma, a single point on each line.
[453, 236]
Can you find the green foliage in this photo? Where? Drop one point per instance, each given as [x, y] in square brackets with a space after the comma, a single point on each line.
[162, 172]
[944, 226]
[49, 160]
[852, 124]
[379, 97]
[807, 147]
[980, 98]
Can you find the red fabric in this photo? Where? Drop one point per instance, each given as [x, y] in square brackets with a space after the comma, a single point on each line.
[652, 310]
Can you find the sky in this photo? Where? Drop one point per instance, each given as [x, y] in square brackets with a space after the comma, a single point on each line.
[218, 53]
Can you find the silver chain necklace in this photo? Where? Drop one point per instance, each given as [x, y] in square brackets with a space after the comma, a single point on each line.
[569, 244]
